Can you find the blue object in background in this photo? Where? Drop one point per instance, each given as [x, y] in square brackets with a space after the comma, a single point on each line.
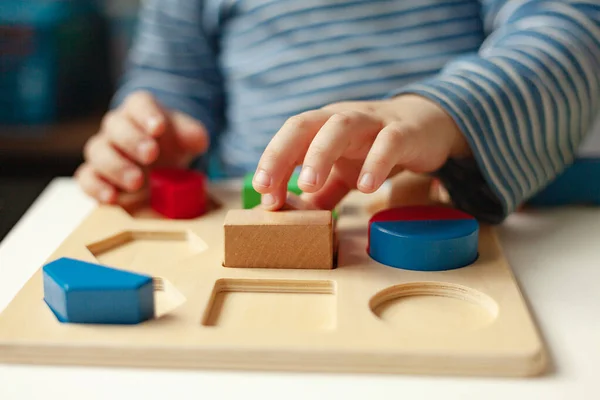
[82, 292]
[53, 60]
[579, 184]
[423, 238]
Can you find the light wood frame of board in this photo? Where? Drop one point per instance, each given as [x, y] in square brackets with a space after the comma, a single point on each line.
[359, 317]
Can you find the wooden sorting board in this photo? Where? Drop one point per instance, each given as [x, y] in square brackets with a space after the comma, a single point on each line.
[360, 317]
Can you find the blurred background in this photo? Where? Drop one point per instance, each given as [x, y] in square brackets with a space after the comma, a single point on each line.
[60, 61]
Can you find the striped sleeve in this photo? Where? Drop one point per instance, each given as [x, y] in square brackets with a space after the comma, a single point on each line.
[174, 57]
[524, 101]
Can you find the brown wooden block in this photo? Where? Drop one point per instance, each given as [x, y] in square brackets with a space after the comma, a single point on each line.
[298, 239]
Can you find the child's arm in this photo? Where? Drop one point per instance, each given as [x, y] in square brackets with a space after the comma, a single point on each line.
[523, 103]
[168, 106]
[175, 57]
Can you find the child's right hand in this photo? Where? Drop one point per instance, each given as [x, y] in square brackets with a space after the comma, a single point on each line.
[137, 135]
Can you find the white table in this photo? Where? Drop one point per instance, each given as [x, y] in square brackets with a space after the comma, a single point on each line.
[555, 256]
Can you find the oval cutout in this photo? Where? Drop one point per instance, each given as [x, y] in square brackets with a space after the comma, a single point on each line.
[434, 307]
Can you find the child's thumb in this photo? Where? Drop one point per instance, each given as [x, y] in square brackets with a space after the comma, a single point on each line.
[191, 134]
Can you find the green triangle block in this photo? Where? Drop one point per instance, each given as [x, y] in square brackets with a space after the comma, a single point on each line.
[293, 185]
[251, 198]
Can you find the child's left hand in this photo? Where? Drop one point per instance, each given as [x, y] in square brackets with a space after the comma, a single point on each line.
[356, 145]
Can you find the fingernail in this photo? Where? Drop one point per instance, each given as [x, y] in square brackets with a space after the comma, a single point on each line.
[153, 123]
[268, 200]
[308, 176]
[367, 181]
[105, 195]
[131, 177]
[262, 178]
[145, 149]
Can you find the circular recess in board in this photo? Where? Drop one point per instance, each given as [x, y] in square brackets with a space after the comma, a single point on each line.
[423, 238]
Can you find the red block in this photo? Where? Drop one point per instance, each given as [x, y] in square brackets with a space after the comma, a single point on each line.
[420, 213]
[178, 193]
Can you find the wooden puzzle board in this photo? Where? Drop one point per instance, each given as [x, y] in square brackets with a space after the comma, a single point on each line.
[360, 317]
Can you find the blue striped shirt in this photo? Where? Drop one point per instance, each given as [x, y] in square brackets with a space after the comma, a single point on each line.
[521, 78]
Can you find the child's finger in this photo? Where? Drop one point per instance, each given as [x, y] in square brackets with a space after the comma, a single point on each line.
[93, 186]
[396, 144]
[145, 111]
[276, 199]
[331, 142]
[285, 150]
[338, 184]
[191, 134]
[129, 138]
[112, 166]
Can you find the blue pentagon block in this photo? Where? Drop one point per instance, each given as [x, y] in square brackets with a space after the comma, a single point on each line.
[82, 292]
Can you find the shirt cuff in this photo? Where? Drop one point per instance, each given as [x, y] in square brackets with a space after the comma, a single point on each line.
[476, 185]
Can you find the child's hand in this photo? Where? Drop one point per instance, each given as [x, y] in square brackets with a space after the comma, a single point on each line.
[138, 134]
[356, 145]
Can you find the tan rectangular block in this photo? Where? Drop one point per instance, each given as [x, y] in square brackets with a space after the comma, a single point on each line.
[298, 239]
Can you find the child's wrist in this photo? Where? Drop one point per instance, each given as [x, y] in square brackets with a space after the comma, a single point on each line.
[435, 117]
